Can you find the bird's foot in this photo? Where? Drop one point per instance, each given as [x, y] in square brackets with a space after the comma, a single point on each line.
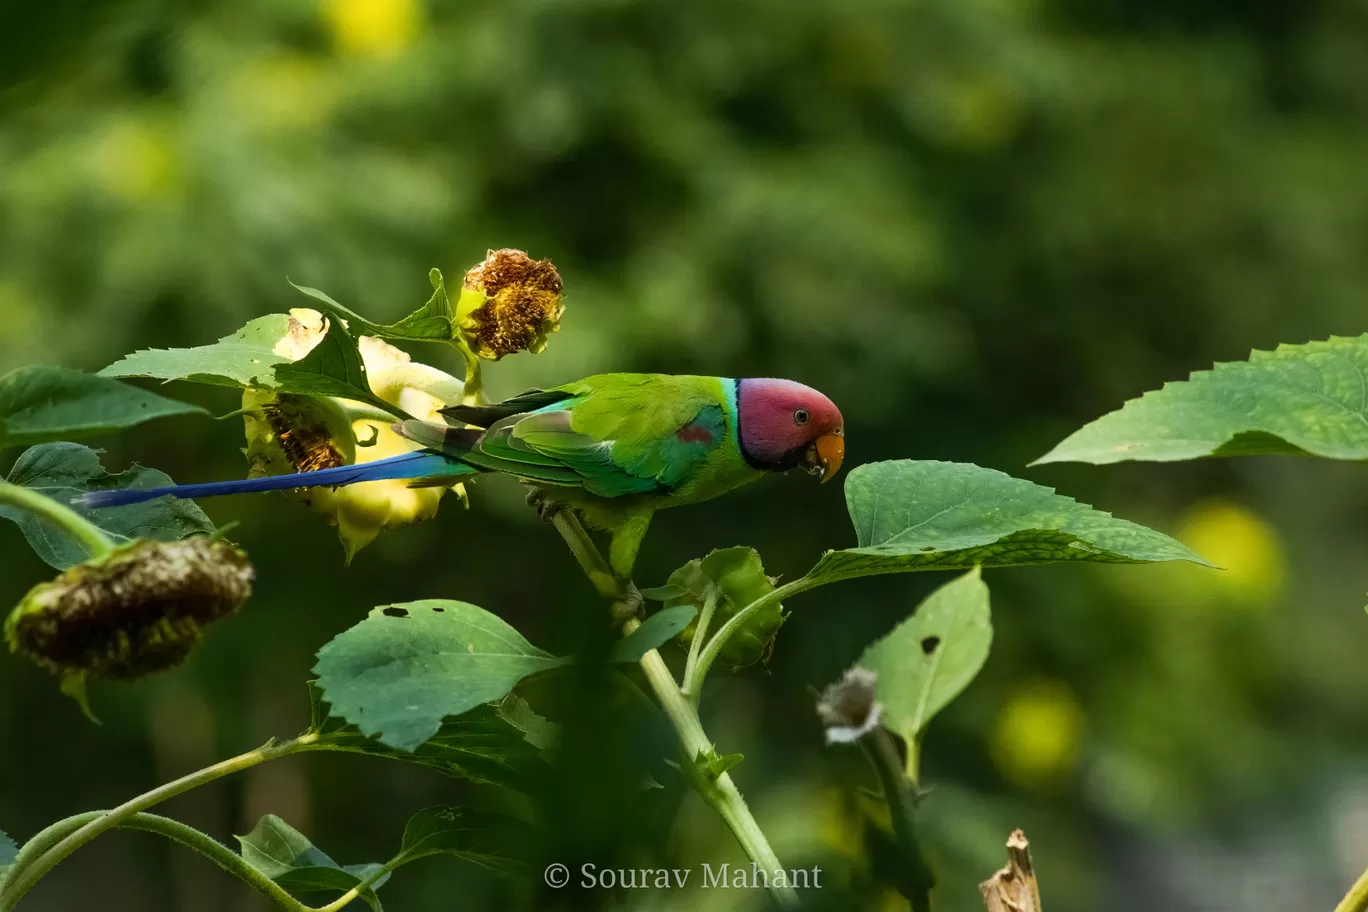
[546, 508]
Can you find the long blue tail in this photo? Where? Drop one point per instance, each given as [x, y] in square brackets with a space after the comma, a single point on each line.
[418, 464]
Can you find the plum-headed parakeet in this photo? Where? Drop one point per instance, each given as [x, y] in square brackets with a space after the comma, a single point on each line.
[614, 448]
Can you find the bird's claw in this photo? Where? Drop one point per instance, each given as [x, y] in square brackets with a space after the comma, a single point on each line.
[545, 507]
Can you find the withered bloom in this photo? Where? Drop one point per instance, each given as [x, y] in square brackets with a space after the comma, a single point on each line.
[848, 709]
[140, 609]
[510, 303]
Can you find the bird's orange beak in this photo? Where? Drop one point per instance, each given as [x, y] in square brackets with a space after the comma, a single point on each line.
[830, 451]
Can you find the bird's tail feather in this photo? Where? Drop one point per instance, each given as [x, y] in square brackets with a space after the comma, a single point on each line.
[418, 464]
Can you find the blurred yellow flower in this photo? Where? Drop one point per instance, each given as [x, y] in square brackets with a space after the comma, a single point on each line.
[373, 28]
[1037, 735]
[1234, 537]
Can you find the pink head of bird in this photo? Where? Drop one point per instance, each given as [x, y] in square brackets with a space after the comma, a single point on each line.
[785, 425]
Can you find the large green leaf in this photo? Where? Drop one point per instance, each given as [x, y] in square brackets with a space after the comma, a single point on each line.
[497, 743]
[433, 321]
[489, 840]
[40, 403]
[1301, 399]
[928, 659]
[8, 852]
[333, 367]
[913, 515]
[244, 359]
[65, 471]
[286, 855]
[405, 668]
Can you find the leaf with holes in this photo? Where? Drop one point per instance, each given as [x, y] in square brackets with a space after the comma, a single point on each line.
[915, 515]
[497, 743]
[928, 659]
[65, 471]
[491, 841]
[333, 367]
[247, 358]
[656, 630]
[1300, 399]
[433, 322]
[405, 668]
[41, 403]
[286, 855]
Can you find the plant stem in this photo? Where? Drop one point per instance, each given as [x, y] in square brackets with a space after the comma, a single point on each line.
[21, 880]
[717, 790]
[900, 794]
[1356, 900]
[693, 684]
[91, 536]
[734, 624]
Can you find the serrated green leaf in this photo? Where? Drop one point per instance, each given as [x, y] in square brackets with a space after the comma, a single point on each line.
[497, 743]
[65, 471]
[915, 515]
[244, 359]
[41, 403]
[657, 629]
[928, 659]
[334, 367]
[285, 855]
[491, 841]
[433, 322]
[1300, 399]
[8, 852]
[405, 668]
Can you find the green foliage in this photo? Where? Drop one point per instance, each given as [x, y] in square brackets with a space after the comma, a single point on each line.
[497, 743]
[433, 322]
[491, 841]
[333, 367]
[919, 515]
[64, 471]
[8, 852]
[244, 359]
[285, 855]
[736, 577]
[929, 658]
[656, 630]
[405, 668]
[1307, 399]
[40, 403]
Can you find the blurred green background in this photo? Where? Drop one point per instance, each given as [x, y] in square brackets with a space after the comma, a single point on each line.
[976, 224]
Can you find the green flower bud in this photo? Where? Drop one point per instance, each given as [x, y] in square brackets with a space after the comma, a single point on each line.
[140, 609]
[738, 578]
[510, 303]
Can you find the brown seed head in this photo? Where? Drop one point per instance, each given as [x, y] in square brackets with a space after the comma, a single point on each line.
[524, 300]
[141, 609]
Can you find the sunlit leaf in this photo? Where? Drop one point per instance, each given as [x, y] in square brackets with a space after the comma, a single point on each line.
[65, 471]
[405, 668]
[1302, 399]
[285, 855]
[497, 743]
[41, 403]
[434, 321]
[928, 659]
[244, 359]
[491, 841]
[333, 367]
[656, 630]
[914, 515]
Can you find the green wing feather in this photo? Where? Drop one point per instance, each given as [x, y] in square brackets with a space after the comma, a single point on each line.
[614, 434]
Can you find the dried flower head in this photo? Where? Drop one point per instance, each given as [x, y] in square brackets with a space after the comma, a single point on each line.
[140, 609]
[848, 709]
[510, 303]
[293, 433]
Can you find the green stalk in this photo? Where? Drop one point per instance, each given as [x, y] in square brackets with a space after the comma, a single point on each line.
[22, 877]
[1356, 900]
[718, 791]
[734, 624]
[901, 796]
[91, 536]
[693, 683]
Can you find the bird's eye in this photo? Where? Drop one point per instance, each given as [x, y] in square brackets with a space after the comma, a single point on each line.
[801, 416]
